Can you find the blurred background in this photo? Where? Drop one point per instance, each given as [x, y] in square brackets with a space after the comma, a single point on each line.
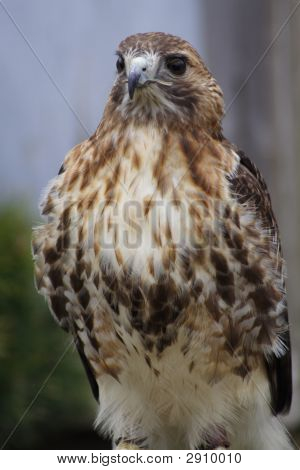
[57, 66]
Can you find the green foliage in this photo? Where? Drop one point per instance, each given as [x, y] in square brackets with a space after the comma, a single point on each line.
[31, 345]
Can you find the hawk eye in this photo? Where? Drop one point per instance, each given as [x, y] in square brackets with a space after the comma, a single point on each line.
[120, 64]
[176, 65]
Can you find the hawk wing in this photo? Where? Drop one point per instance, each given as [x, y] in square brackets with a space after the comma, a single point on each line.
[58, 299]
[250, 189]
[88, 369]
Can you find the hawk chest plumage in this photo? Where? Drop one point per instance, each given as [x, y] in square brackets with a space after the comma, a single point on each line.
[154, 258]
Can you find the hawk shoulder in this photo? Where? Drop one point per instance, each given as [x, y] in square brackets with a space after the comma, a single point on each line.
[249, 187]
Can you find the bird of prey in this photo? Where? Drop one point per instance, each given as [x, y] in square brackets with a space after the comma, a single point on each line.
[160, 254]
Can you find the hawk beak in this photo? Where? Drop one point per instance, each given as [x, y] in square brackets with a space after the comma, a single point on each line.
[133, 80]
[137, 76]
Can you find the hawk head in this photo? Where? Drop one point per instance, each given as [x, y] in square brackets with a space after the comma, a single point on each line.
[162, 78]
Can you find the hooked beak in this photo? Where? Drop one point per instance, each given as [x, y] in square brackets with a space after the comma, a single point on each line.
[138, 75]
[133, 80]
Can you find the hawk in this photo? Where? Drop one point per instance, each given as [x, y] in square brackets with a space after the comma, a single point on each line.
[160, 254]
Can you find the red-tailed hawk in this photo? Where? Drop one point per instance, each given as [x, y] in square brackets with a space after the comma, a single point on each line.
[160, 255]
